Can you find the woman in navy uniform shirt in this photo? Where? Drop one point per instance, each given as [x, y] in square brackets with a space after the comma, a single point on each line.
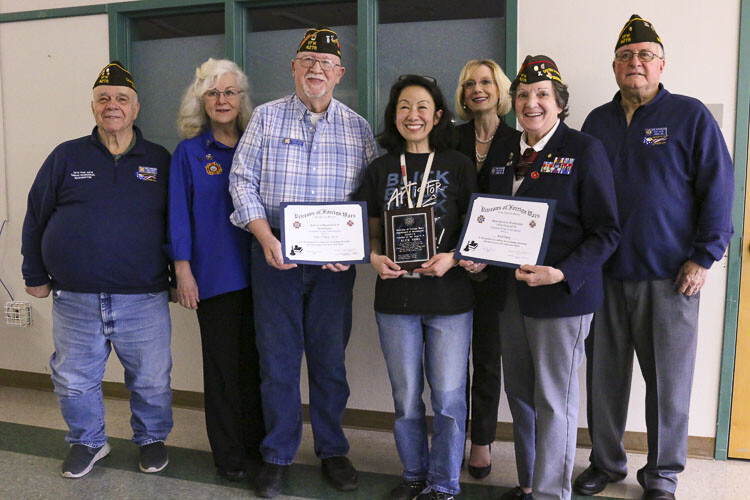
[549, 307]
[212, 261]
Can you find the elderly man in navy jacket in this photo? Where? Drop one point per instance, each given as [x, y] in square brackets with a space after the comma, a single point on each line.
[674, 182]
[93, 237]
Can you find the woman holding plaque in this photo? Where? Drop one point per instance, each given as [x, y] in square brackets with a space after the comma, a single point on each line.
[548, 307]
[424, 317]
[211, 259]
[482, 98]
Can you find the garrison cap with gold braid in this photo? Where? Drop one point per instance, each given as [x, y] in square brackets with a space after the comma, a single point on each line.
[637, 30]
[322, 40]
[115, 74]
[538, 69]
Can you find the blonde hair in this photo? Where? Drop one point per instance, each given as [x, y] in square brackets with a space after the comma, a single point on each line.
[501, 82]
[192, 118]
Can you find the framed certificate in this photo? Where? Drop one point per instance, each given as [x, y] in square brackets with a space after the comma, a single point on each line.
[506, 230]
[325, 233]
[410, 236]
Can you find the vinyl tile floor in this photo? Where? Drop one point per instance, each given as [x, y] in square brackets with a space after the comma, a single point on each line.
[32, 447]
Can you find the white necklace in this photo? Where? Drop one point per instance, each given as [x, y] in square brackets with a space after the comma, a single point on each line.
[480, 141]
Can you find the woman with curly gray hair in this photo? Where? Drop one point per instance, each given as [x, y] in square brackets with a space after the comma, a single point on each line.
[211, 259]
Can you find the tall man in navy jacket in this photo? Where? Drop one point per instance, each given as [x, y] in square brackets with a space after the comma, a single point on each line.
[93, 237]
[674, 182]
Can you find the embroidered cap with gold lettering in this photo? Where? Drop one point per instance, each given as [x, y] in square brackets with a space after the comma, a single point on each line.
[538, 69]
[637, 30]
[115, 73]
[322, 40]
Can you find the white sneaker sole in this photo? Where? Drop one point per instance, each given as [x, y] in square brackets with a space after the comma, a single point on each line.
[151, 470]
[101, 454]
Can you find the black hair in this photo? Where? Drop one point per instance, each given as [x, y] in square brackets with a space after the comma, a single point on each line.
[561, 96]
[442, 135]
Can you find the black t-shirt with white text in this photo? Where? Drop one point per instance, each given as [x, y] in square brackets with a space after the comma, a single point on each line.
[451, 182]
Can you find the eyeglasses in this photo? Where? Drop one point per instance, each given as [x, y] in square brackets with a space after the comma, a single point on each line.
[409, 77]
[228, 94]
[643, 55]
[309, 62]
[484, 82]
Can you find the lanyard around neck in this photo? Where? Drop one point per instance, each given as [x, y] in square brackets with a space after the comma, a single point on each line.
[423, 187]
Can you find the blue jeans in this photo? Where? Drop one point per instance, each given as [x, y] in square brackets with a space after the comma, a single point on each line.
[445, 342]
[302, 310]
[85, 328]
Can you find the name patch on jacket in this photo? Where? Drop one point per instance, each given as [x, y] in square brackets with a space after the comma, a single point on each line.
[146, 174]
[497, 170]
[82, 174]
[655, 136]
[292, 142]
[562, 166]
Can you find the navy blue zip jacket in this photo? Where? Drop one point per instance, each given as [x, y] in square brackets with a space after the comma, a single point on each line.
[674, 180]
[95, 224]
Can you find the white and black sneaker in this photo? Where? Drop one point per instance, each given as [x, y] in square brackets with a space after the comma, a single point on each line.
[81, 459]
[153, 457]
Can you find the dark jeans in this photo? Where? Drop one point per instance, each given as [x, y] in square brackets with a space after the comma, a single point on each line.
[302, 310]
[231, 378]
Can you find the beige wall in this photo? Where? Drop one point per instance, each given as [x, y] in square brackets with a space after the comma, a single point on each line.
[47, 68]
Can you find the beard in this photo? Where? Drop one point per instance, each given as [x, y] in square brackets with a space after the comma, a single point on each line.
[313, 94]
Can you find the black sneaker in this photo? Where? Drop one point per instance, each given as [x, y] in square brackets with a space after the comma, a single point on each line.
[153, 457]
[435, 495]
[407, 490]
[81, 459]
[341, 473]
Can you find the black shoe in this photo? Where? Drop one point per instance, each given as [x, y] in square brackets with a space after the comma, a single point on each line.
[232, 474]
[407, 490]
[269, 479]
[516, 493]
[480, 472]
[81, 459]
[341, 472]
[656, 494]
[435, 495]
[153, 457]
[591, 481]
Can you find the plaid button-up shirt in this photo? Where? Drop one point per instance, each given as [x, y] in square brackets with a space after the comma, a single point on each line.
[281, 157]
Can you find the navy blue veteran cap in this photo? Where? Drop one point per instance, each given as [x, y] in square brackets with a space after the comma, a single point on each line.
[321, 40]
[637, 30]
[538, 69]
[115, 74]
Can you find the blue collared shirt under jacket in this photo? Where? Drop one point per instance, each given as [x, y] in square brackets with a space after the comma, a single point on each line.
[199, 227]
[282, 157]
[674, 181]
[96, 224]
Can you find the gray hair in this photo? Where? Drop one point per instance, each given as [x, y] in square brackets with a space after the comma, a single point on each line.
[192, 118]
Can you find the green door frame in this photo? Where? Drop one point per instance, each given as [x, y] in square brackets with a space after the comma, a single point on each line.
[734, 264]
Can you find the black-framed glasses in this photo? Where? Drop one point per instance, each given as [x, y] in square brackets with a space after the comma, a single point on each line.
[309, 62]
[643, 55]
[429, 79]
[213, 94]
